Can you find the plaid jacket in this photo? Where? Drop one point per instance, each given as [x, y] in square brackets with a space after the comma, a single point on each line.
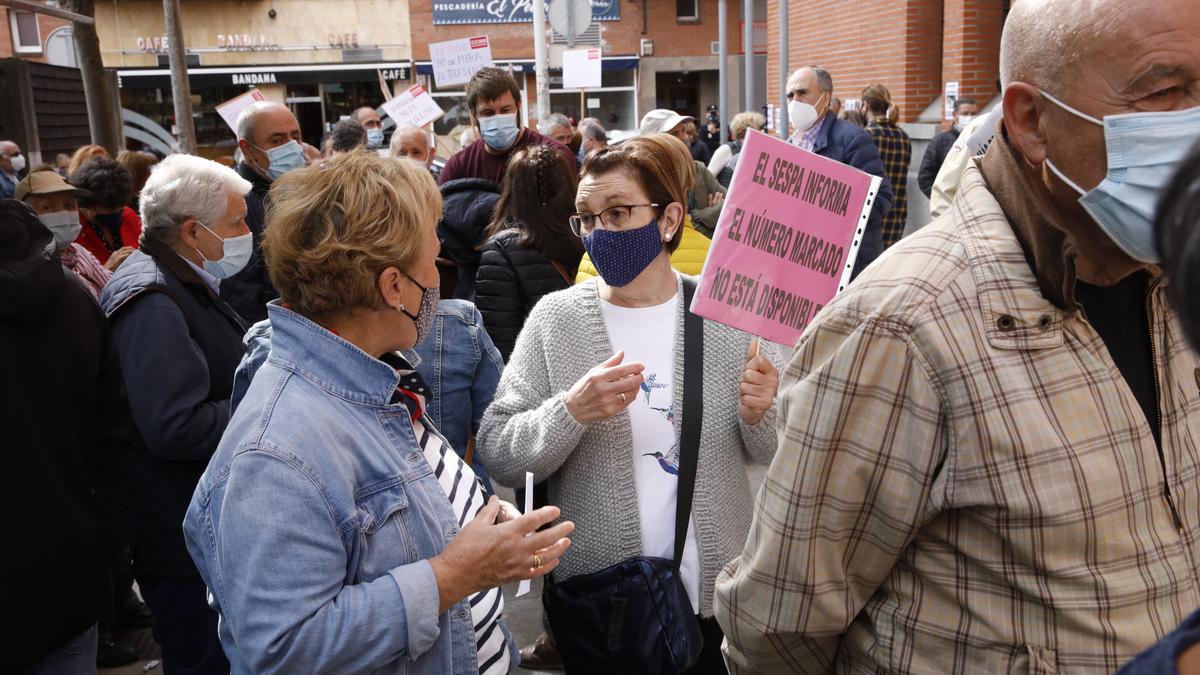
[896, 152]
[965, 483]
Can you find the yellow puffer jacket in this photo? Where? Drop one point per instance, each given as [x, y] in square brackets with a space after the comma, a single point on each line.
[687, 259]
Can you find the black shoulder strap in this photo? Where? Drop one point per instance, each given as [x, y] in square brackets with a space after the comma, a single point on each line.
[692, 415]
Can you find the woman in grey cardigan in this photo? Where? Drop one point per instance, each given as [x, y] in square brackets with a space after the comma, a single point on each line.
[591, 399]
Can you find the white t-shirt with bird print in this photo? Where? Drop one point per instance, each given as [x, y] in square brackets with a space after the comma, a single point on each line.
[647, 334]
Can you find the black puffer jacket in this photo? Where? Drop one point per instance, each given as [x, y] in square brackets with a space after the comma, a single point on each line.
[466, 212]
[66, 423]
[510, 281]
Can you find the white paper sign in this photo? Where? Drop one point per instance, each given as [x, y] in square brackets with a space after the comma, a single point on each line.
[523, 587]
[414, 106]
[455, 61]
[581, 69]
[232, 109]
[949, 99]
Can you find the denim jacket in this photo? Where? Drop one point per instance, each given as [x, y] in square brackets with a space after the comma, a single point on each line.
[316, 518]
[462, 366]
[457, 359]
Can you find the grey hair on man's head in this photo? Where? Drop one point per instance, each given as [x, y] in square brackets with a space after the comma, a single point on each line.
[593, 130]
[824, 79]
[557, 120]
[405, 131]
[245, 120]
[182, 187]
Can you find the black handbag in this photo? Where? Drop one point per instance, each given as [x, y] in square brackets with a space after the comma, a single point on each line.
[635, 616]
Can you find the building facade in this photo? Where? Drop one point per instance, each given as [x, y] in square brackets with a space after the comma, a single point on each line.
[43, 108]
[655, 54]
[323, 59]
[927, 53]
[919, 49]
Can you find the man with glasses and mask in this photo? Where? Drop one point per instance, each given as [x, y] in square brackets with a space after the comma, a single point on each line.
[494, 100]
[269, 140]
[988, 460]
[818, 130]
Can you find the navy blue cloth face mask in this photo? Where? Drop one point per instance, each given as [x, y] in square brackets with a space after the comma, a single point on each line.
[621, 256]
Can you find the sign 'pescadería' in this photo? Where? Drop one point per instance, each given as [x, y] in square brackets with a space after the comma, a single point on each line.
[508, 11]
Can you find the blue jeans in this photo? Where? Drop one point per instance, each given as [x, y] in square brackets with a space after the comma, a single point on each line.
[73, 657]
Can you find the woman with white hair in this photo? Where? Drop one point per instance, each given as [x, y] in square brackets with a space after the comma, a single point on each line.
[179, 345]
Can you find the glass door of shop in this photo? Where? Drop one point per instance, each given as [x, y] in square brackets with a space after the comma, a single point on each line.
[307, 103]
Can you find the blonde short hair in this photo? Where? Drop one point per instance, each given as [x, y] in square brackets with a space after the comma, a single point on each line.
[333, 227]
[745, 121]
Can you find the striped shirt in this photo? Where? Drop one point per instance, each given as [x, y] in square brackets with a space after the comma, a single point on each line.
[466, 497]
[965, 482]
[81, 261]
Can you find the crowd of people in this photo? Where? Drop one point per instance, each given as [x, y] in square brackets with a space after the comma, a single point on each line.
[278, 397]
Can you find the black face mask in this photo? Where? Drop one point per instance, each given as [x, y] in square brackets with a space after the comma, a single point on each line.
[109, 221]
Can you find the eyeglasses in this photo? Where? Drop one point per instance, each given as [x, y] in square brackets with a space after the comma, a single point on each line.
[612, 218]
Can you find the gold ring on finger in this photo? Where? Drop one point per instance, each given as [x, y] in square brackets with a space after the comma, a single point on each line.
[537, 562]
[622, 395]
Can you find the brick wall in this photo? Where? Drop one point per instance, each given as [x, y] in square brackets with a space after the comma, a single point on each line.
[46, 25]
[911, 46]
[971, 35]
[515, 40]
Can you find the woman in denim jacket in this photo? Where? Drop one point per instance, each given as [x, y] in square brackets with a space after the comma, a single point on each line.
[334, 527]
[457, 359]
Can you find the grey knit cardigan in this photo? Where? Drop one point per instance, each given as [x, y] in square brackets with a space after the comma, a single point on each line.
[590, 467]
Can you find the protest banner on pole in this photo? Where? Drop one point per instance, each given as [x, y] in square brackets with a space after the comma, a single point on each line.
[786, 240]
[455, 61]
[581, 69]
[230, 110]
[413, 106]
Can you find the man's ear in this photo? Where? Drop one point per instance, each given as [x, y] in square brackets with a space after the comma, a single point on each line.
[1023, 109]
[188, 232]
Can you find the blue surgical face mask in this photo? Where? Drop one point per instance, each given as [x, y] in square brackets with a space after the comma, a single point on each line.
[64, 225]
[284, 158]
[237, 254]
[1143, 150]
[374, 138]
[621, 256]
[499, 131]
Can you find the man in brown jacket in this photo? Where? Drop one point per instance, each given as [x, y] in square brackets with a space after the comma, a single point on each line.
[989, 456]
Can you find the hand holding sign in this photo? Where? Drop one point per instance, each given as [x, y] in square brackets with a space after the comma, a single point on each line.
[605, 390]
[786, 242]
[760, 381]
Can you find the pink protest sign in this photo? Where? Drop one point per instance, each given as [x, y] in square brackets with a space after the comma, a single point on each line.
[786, 241]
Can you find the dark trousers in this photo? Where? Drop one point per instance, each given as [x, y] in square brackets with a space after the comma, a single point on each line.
[184, 626]
[710, 662]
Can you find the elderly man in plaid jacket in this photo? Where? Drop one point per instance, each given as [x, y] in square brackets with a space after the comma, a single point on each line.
[989, 455]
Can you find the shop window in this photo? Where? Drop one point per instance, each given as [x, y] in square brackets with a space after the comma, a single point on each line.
[687, 10]
[614, 103]
[26, 35]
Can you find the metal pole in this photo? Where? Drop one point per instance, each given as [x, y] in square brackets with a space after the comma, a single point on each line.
[570, 24]
[783, 69]
[722, 65]
[748, 50]
[541, 70]
[181, 91]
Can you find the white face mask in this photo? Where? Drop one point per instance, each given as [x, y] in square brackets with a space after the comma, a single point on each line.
[964, 120]
[18, 163]
[64, 225]
[802, 115]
